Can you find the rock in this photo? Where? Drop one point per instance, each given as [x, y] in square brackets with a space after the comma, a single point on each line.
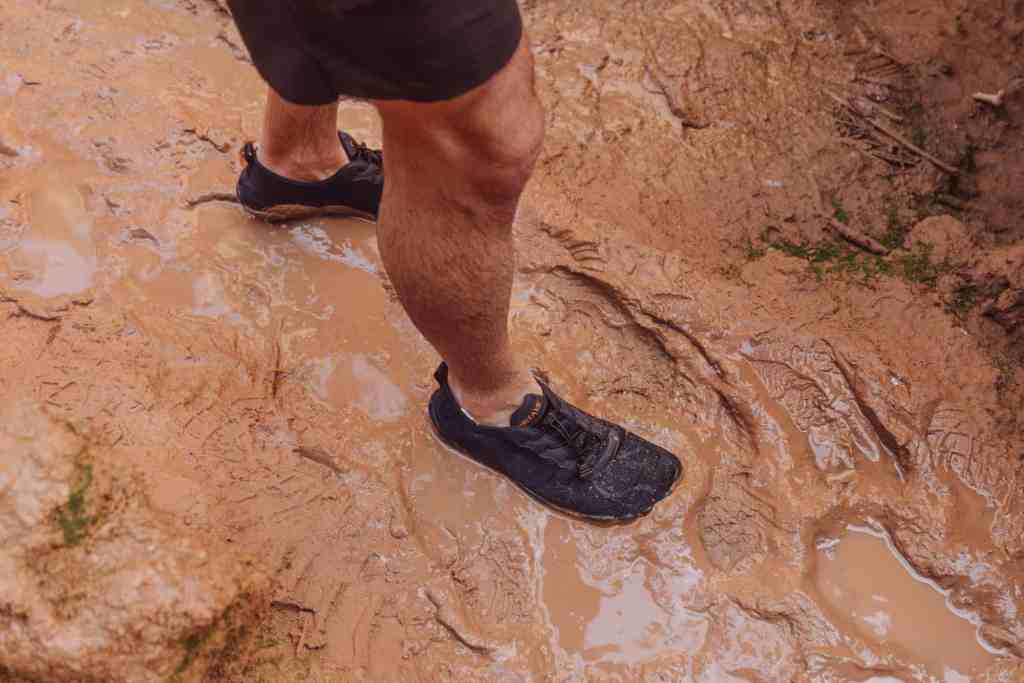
[1003, 271]
[94, 584]
[948, 239]
[1008, 309]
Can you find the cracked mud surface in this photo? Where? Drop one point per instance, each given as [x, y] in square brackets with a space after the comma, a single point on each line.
[852, 508]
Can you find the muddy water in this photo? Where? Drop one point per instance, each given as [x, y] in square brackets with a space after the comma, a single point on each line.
[866, 583]
[314, 291]
[57, 256]
[628, 615]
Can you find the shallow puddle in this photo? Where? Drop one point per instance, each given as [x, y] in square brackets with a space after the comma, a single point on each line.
[56, 268]
[358, 380]
[57, 256]
[632, 615]
[873, 590]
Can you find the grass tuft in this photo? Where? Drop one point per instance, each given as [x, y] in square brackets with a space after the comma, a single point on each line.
[917, 266]
[964, 298]
[831, 257]
[71, 516]
[752, 252]
[192, 645]
[895, 231]
[840, 213]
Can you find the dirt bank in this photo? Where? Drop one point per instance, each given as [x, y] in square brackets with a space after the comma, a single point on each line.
[850, 420]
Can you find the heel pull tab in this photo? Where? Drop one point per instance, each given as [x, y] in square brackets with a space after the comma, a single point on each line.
[248, 152]
[441, 374]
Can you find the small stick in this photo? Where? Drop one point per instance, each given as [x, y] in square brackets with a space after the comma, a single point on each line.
[887, 55]
[887, 70]
[853, 235]
[995, 100]
[843, 102]
[891, 158]
[950, 201]
[670, 100]
[858, 238]
[862, 104]
[914, 148]
[879, 81]
[896, 136]
[872, 106]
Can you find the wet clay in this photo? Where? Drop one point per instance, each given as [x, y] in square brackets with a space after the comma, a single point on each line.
[675, 272]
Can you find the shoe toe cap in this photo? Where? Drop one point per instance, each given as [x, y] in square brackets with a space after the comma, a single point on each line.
[641, 475]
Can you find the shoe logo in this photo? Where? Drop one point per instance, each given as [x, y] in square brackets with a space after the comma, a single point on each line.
[534, 412]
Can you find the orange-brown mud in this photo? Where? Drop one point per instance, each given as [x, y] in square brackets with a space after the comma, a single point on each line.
[852, 508]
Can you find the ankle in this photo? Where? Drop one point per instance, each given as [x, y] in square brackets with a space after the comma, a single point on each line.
[494, 407]
[303, 164]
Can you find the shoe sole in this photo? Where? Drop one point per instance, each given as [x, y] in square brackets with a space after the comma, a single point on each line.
[281, 213]
[602, 520]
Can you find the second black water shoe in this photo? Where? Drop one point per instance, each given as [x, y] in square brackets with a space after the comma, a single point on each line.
[354, 190]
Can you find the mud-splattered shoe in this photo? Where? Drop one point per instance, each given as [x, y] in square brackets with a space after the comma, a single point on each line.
[561, 456]
[355, 190]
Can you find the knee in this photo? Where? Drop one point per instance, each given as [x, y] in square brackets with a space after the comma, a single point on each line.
[496, 152]
[477, 151]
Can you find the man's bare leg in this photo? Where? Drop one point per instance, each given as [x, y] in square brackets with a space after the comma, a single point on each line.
[300, 142]
[453, 177]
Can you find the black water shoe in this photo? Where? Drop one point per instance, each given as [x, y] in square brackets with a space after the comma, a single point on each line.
[561, 456]
[355, 189]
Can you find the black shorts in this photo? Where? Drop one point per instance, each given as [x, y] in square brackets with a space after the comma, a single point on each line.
[312, 51]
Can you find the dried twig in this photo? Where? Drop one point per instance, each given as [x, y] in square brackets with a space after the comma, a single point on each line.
[670, 100]
[143, 234]
[848, 233]
[204, 136]
[864, 106]
[842, 102]
[875, 107]
[891, 158]
[950, 201]
[857, 237]
[882, 128]
[995, 100]
[279, 372]
[319, 456]
[879, 81]
[952, 170]
[888, 55]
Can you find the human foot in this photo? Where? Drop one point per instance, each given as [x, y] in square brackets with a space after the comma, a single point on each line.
[561, 456]
[308, 163]
[494, 409]
[353, 190]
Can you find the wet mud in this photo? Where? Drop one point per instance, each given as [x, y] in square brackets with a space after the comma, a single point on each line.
[852, 508]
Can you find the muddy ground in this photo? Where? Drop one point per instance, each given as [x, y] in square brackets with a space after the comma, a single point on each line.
[850, 421]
